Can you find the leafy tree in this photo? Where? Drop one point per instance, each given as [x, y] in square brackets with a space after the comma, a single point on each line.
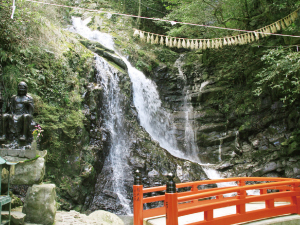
[242, 14]
[281, 75]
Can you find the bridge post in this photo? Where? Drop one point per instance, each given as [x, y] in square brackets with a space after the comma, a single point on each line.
[296, 199]
[241, 208]
[137, 199]
[242, 183]
[171, 202]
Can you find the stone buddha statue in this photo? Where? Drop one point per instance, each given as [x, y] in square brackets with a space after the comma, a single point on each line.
[18, 118]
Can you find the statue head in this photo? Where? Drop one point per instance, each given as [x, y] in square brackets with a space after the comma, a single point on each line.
[22, 88]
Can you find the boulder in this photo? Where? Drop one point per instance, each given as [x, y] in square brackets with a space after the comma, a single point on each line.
[128, 220]
[105, 218]
[40, 204]
[27, 172]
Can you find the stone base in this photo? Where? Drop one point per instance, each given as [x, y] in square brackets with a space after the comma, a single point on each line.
[21, 153]
[17, 218]
[30, 168]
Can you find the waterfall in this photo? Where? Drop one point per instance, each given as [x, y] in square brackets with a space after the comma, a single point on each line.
[80, 26]
[114, 122]
[191, 149]
[156, 121]
[220, 149]
[154, 118]
[189, 138]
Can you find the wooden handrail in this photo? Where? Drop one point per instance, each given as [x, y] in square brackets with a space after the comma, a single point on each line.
[224, 180]
[234, 189]
[188, 202]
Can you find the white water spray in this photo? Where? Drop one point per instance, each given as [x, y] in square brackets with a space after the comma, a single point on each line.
[156, 121]
[189, 142]
[190, 146]
[80, 27]
[114, 122]
[220, 149]
[153, 117]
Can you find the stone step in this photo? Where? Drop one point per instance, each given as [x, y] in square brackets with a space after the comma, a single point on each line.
[17, 218]
[32, 224]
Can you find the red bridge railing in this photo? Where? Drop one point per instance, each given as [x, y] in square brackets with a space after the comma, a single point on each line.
[192, 200]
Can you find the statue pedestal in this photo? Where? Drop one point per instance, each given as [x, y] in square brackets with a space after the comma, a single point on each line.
[30, 168]
[21, 153]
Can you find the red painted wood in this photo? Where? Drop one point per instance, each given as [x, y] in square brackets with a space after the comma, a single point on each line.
[195, 200]
[138, 204]
[171, 209]
[154, 212]
[154, 199]
[249, 216]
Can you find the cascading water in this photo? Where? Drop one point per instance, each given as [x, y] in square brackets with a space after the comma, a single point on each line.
[153, 117]
[189, 139]
[80, 26]
[191, 149]
[156, 121]
[220, 149]
[114, 121]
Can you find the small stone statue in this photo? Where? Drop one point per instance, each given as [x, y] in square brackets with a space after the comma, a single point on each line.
[18, 118]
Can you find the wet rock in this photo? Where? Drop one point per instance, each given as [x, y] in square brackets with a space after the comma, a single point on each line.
[296, 171]
[116, 59]
[153, 173]
[225, 166]
[264, 169]
[137, 162]
[208, 93]
[93, 44]
[270, 167]
[212, 127]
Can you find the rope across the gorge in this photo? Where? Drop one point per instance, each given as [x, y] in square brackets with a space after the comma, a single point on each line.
[241, 39]
[245, 38]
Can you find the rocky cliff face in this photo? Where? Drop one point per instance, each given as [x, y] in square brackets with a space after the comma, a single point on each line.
[252, 143]
[138, 152]
[248, 140]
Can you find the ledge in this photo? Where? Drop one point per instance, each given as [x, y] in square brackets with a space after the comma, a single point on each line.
[27, 153]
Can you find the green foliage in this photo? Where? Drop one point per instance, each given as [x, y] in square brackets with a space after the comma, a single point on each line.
[166, 55]
[281, 74]
[34, 49]
[241, 14]
[292, 144]
[11, 30]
